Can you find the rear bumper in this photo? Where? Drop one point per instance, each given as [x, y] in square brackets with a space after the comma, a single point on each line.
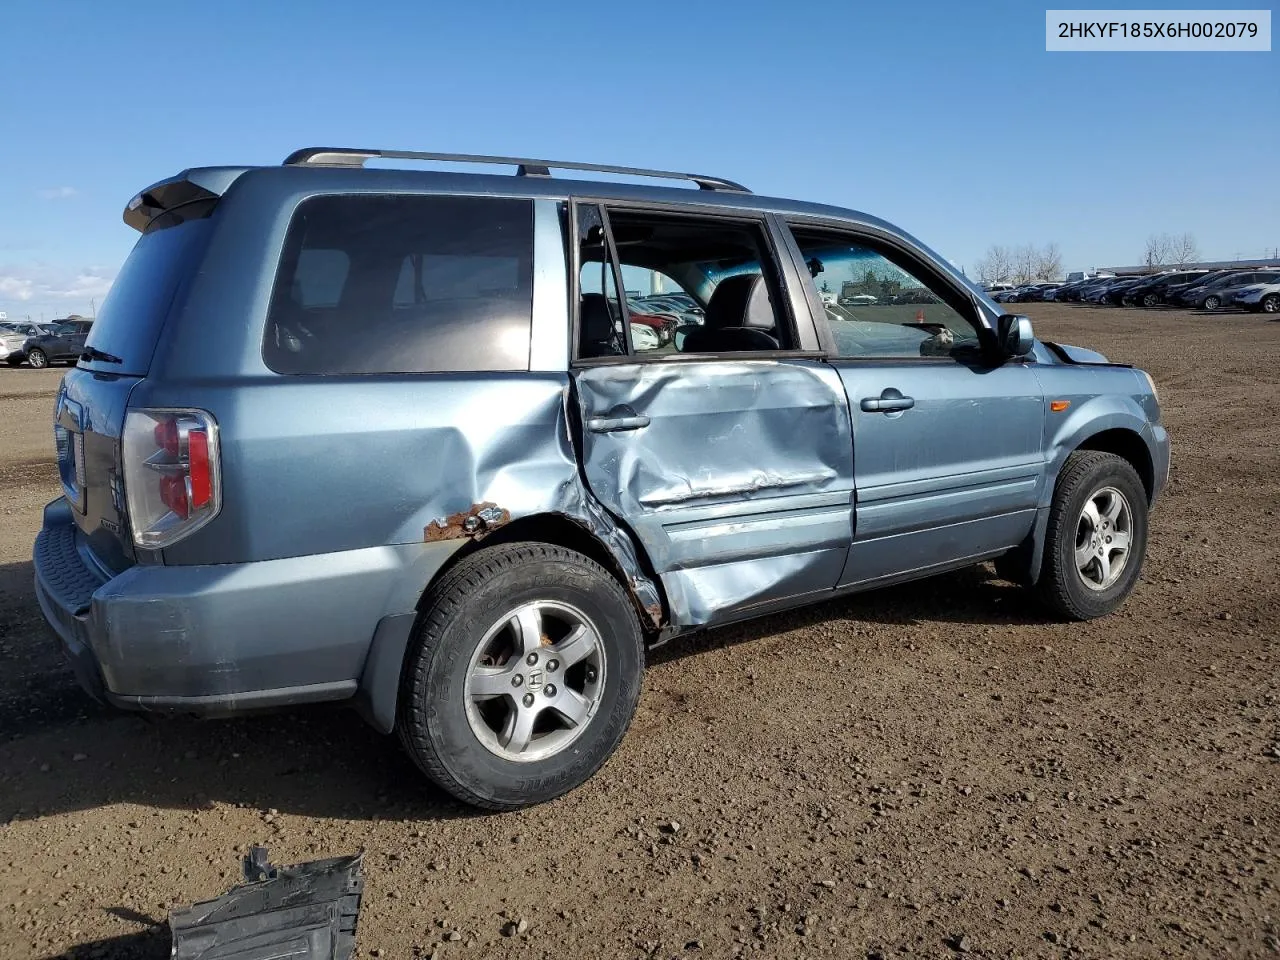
[221, 639]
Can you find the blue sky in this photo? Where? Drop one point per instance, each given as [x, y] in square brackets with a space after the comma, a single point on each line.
[949, 119]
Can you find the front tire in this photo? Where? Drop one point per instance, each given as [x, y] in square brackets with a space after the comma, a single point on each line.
[1212, 303]
[1271, 303]
[524, 675]
[37, 358]
[1096, 537]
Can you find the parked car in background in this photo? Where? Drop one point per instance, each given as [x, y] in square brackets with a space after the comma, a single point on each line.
[1012, 295]
[25, 327]
[1040, 291]
[1152, 291]
[1097, 291]
[643, 336]
[1260, 298]
[1087, 287]
[1173, 294]
[1111, 291]
[65, 341]
[1064, 293]
[1222, 292]
[13, 340]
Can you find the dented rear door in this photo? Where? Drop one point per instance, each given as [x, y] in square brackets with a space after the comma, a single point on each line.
[736, 475]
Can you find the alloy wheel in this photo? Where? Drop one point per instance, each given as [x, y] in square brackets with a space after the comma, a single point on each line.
[1104, 533]
[535, 681]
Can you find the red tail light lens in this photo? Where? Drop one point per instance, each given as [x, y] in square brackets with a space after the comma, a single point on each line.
[199, 474]
[173, 494]
[171, 473]
[166, 434]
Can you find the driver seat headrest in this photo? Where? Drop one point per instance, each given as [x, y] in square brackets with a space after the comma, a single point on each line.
[740, 301]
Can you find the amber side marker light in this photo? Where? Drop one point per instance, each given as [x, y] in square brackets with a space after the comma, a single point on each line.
[1057, 406]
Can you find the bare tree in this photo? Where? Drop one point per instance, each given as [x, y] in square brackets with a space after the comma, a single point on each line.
[1183, 250]
[995, 267]
[1049, 263]
[1024, 263]
[1158, 251]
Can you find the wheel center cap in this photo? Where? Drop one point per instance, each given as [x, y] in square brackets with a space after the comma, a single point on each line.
[533, 680]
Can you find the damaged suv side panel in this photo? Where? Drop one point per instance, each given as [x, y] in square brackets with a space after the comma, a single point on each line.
[739, 484]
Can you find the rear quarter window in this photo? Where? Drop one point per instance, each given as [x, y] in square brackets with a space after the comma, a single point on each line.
[130, 318]
[403, 284]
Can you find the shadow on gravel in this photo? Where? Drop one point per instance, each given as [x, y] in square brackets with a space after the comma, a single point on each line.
[971, 595]
[60, 751]
[152, 944]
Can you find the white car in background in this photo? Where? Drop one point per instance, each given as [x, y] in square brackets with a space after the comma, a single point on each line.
[1260, 298]
[644, 338]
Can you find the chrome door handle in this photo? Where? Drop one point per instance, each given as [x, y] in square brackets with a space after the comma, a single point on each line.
[889, 401]
[616, 424]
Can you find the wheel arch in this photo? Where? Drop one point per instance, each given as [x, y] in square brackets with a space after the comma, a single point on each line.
[1120, 434]
[593, 534]
[1127, 444]
[631, 569]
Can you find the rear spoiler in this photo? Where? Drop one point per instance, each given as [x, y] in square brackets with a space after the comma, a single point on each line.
[190, 194]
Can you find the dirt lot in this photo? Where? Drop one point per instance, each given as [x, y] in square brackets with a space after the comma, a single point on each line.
[929, 770]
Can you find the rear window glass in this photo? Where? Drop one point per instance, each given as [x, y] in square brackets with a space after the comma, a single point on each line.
[130, 318]
[405, 284]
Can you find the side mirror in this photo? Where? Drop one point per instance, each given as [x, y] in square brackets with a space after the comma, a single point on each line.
[1016, 338]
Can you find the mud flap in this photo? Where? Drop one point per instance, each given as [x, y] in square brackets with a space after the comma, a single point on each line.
[304, 912]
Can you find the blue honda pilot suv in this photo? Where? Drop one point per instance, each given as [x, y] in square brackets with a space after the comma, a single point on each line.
[429, 443]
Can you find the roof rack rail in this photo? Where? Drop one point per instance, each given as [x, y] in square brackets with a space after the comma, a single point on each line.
[347, 157]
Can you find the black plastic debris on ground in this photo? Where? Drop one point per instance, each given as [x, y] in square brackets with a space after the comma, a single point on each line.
[303, 912]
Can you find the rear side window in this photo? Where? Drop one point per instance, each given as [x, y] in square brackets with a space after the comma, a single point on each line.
[130, 318]
[403, 284]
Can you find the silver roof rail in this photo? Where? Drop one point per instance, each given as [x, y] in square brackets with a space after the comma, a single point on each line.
[346, 157]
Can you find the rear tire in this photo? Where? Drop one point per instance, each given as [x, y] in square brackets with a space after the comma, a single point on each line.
[37, 358]
[1271, 303]
[1099, 499]
[493, 666]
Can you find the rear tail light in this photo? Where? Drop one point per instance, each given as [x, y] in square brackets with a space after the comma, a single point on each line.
[171, 475]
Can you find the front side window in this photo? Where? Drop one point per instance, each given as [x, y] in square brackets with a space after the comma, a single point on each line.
[877, 308]
[691, 285]
[403, 284]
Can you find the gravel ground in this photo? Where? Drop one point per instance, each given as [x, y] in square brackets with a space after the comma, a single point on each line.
[932, 770]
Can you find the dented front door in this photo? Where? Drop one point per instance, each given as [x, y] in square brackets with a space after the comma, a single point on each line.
[735, 475]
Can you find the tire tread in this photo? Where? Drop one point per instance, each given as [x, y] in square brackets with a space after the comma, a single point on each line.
[441, 605]
[1079, 470]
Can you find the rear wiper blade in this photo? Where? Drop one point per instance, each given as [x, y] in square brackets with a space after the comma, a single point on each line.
[93, 353]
